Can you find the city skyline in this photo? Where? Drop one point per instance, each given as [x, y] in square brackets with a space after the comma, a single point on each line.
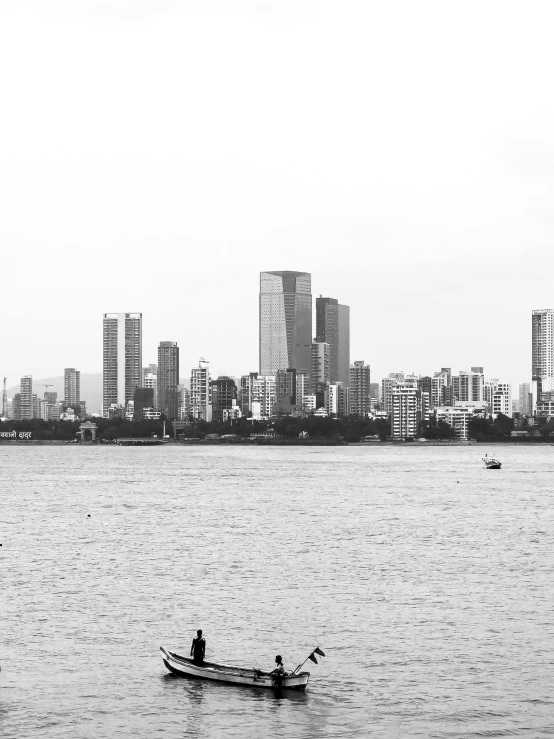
[139, 360]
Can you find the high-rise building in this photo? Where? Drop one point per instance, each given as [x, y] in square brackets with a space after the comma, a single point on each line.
[438, 384]
[333, 328]
[285, 390]
[424, 383]
[150, 368]
[200, 399]
[122, 366]
[246, 384]
[285, 321]
[264, 397]
[336, 399]
[150, 381]
[387, 385]
[27, 405]
[320, 366]
[502, 399]
[457, 418]
[302, 390]
[468, 386]
[72, 386]
[144, 398]
[359, 391]
[542, 365]
[525, 406]
[168, 378]
[410, 406]
[319, 373]
[224, 396]
[498, 397]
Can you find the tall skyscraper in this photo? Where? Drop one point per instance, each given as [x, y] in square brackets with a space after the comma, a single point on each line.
[320, 366]
[27, 409]
[168, 378]
[200, 400]
[122, 358]
[72, 386]
[542, 353]
[359, 392]
[285, 321]
[333, 328]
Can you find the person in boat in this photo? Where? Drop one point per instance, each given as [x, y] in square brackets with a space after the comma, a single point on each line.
[279, 672]
[198, 648]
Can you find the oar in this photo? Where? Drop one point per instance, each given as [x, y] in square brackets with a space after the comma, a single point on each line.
[311, 656]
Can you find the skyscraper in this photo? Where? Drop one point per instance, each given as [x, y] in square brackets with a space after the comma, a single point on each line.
[122, 358]
[542, 365]
[525, 400]
[200, 400]
[72, 386]
[285, 321]
[359, 392]
[26, 397]
[168, 378]
[333, 328]
[320, 366]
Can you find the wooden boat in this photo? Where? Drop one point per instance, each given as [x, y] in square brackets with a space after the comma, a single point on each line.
[185, 667]
[491, 463]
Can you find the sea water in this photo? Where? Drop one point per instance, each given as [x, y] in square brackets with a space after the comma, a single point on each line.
[427, 580]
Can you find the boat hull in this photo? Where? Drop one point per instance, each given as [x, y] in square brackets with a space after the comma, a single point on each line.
[185, 667]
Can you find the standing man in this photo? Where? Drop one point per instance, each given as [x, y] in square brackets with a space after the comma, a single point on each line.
[198, 648]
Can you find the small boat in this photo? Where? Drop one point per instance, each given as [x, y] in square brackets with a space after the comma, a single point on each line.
[185, 667]
[491, 463]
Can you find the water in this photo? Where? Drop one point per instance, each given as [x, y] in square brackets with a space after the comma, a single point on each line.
[427, 580]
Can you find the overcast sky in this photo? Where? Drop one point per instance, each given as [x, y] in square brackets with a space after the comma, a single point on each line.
[156, 155]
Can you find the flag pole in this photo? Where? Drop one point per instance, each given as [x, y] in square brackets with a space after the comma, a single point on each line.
[300, 666]
[317, 650]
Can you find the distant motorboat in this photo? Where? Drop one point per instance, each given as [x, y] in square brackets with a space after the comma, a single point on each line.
[491, 463]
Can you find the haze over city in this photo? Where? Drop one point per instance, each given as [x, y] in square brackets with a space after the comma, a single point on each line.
[157, 157]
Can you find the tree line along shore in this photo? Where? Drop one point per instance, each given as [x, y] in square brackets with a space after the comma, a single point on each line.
[350, 429]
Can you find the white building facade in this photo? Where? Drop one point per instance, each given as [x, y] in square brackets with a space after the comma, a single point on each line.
[410, 406]
[200, 400]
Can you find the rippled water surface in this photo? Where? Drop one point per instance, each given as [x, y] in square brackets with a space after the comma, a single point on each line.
[427, 580]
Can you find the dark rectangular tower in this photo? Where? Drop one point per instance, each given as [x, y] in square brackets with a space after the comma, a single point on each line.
[168, 377]
[333, 328]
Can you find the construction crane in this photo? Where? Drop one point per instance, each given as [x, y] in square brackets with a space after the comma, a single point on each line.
[45, 384]
[4, 401]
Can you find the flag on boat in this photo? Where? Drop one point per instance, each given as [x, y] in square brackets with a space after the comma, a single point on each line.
[317, 650]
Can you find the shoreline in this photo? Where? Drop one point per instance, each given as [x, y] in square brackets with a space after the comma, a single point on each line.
[278, 442]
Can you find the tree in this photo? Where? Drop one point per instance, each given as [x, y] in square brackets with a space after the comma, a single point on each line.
[548, 428]
[504, 424]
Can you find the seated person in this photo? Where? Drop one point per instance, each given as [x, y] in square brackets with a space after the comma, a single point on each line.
[279, 672]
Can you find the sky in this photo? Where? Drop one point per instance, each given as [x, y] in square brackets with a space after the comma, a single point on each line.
[155, 156]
